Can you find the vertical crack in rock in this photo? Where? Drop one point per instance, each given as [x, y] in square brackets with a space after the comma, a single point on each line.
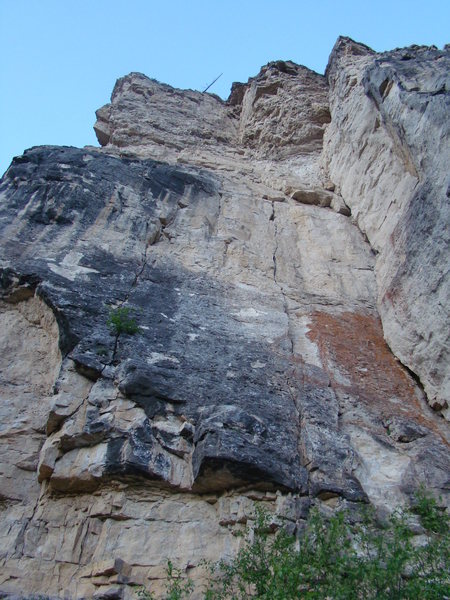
[274, 255]
[289, 333]
[399, 143]
[138, 274]
[19, 543]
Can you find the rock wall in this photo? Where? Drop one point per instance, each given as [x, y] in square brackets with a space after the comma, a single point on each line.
[257, 244]
[391, 111]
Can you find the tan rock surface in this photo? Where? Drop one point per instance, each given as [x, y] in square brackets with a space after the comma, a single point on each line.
[391, 111]
[29, 364]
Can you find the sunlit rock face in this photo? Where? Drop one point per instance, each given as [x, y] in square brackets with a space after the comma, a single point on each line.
[391, 111]
[266, 249]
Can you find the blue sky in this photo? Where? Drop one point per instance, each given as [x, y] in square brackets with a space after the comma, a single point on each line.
[61, 58]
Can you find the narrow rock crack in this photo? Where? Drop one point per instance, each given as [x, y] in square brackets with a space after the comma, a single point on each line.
[279, 285]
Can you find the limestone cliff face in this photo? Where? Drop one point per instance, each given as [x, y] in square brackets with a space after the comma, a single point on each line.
[391, 111]
[266, 247]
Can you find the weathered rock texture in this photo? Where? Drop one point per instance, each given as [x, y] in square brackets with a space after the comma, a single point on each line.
[391, 112]
[265, 266]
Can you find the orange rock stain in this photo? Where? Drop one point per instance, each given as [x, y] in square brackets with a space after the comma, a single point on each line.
[359, 362]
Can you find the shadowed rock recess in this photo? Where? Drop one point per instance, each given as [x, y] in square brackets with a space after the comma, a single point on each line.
[285, 257]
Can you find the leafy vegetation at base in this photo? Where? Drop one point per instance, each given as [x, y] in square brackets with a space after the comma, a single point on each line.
[177, 588]
[335, 559]
[121, 320]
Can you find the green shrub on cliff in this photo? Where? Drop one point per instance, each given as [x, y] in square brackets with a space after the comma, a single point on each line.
[121, 320]
[177, 587]
[336, 559]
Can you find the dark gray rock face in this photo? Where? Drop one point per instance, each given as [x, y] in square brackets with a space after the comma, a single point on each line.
[244, 425]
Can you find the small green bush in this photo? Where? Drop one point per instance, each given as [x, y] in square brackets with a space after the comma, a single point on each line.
[431, 517]
[177, 588]
[335, 559]
[121, 320]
